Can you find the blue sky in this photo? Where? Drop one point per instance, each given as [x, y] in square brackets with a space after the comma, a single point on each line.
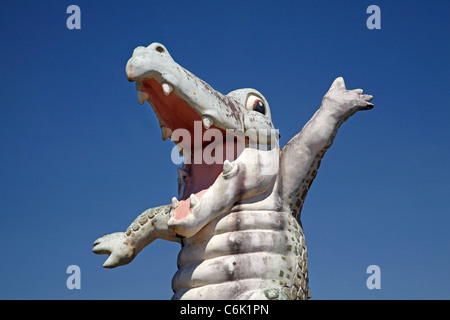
[80, 158]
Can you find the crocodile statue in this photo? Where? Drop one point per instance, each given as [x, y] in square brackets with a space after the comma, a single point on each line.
[237, 213]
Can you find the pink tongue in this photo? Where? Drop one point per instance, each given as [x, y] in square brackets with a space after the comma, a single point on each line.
[184, 208]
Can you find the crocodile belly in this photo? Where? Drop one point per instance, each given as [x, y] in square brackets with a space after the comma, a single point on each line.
[244, 255]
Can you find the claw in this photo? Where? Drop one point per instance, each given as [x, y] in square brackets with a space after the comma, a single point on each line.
[111, 262]
[367, 97]
[99, 248]
[338, 84]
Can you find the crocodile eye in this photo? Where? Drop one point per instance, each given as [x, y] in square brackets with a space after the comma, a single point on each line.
[259, 106]
[256, 104]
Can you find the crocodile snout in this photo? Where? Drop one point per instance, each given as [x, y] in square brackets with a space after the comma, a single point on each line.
[148, 62]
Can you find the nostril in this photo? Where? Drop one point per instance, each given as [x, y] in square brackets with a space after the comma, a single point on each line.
[160, 49]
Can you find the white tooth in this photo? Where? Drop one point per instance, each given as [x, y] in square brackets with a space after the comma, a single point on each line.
[180, 189]
[182, 174]
[142, 97]
[167, 88]
[175, 203]
[194, 200]
[165, 132]
[207, 122]
[227, 166]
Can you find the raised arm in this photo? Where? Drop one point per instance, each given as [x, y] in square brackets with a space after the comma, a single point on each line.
[301, 156]
[122, 247]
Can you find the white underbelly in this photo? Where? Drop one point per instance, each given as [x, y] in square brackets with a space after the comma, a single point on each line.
[241, 252]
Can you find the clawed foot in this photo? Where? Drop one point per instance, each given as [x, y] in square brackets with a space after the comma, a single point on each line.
[347, 101]
[116, 245]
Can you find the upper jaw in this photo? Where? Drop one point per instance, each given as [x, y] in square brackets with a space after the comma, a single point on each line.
[155, 63]
[179, 98]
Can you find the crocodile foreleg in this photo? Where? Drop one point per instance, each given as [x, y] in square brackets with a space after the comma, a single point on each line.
[301, 156]
[122, 247]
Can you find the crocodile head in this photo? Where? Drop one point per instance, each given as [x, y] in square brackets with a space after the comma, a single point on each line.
[207, 127]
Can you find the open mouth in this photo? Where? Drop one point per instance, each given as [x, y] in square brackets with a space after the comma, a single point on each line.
[204, 153]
